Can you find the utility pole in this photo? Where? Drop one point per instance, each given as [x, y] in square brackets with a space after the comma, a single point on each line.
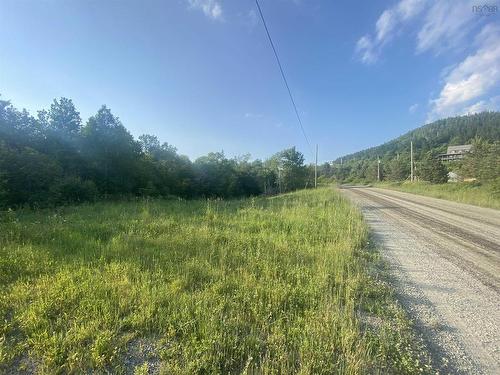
[316, 169]
[378, 169]
[411, 161]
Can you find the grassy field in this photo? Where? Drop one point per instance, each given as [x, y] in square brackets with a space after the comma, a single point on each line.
[470, 193]
[267, 285]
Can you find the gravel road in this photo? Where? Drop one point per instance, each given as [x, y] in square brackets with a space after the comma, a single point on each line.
[445, 259]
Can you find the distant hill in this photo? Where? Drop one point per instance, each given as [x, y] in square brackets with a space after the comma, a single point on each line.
[436, 136]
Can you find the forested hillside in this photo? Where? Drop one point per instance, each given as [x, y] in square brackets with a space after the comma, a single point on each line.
[482, 130]
[55, 158]
[437, 135]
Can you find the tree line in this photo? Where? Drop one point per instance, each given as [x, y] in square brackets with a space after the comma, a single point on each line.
[55, 158]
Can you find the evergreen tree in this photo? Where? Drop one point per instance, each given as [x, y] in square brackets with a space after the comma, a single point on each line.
[483, 162]
[112, 153]
[398, 169]
[433, 170]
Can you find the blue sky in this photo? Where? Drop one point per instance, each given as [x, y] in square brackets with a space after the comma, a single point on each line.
[200, 74]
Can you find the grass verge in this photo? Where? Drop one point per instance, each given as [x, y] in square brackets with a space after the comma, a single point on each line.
[483, 195]
[266, 285]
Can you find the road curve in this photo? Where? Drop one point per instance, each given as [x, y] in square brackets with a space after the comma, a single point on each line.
[445, 259]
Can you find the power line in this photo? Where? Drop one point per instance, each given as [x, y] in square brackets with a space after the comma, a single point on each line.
[283, 75]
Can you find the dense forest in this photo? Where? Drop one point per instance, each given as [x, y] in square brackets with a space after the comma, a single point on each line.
[482, 130]
[55, 158]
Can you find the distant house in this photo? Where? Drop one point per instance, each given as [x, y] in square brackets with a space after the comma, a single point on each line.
[455, 153]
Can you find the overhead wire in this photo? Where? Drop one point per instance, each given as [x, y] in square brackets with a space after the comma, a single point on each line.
[283, 76]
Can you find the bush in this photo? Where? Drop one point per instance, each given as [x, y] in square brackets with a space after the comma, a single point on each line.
[74, 190]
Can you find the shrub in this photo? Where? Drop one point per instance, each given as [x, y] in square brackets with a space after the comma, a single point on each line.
[74, 190]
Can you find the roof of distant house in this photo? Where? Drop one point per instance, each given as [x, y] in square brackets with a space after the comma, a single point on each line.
[458, 149]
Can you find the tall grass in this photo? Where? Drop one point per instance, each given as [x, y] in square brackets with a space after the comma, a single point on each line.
[484, 195]
[267, 285]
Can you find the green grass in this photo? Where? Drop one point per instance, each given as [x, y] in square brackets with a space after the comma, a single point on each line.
[484, 195]
[267, 285]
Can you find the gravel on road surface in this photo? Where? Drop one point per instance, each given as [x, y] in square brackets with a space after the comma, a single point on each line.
[445, 260]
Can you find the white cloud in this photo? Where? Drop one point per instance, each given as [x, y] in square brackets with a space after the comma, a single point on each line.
[211, 8]
[446, 24]
[368, 47]
[472, 79]
[410, 8]
[385, 24]
[492, 104]
[467, 86]
[413, 108]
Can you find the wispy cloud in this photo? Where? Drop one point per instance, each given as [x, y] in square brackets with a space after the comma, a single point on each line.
[398, 14]
[472, 79]
[413, 108]
[443, 25]
[368, 47]
[211, 8]
[492, 104]
[367, 50]
[446, 24]
[253, 18]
